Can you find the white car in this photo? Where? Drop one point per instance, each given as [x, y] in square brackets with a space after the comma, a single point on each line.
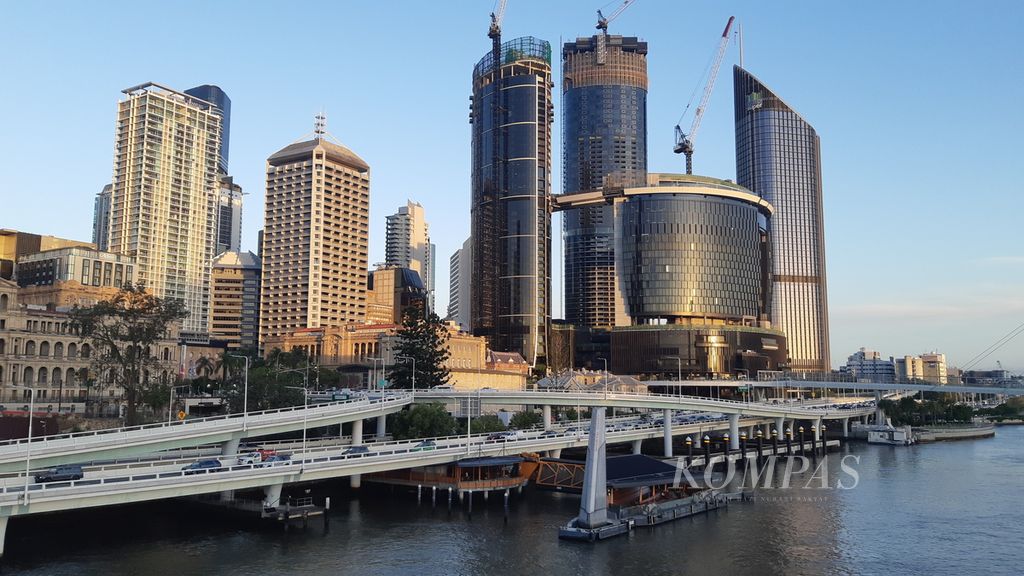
[249, 458]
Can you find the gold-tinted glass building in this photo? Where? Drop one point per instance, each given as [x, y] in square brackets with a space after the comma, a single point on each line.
[315, 238]
[235, 299]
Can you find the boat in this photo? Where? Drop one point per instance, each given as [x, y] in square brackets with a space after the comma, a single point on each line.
[891, 435]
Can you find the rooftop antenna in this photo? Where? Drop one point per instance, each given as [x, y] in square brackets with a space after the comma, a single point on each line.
[320, 125]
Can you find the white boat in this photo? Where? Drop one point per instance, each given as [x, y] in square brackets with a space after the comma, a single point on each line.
[891, 435]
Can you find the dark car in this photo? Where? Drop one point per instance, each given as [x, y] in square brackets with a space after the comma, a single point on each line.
[60, 474]
[425, 445]
[549, 433]
[356, 451]
[202, 466]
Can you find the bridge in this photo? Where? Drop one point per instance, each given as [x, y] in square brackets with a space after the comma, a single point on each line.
[789, 382]
[224, 430]
[106, 485]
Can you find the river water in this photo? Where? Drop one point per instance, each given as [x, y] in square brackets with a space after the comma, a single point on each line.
[944, 508]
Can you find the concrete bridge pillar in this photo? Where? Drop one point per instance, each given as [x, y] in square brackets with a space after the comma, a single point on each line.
[864, 419]
[637, 444]
[546, 414]
[734, 431]
[381, 426]
[667, 416]
[3, 533]
[556, 453]
[272, 495]
[356, 480]
[879, 413]
[229, 449]
[846, 427]
[817, 431]
[780, 425]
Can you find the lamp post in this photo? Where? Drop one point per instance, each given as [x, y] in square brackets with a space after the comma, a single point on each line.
[679, 373]
[305, 405]
[605, 360]
[413, 370]
[28, 445]
[170, 405]
[245, 394]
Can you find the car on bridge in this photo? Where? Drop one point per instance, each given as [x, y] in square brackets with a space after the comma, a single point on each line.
[356, 451]
[60, 474]
[276, 460]
[425, 445]
[203, 466]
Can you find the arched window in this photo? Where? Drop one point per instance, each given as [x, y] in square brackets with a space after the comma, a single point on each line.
[30, 348]
[29, 376]
[72, 350]
[85, 350]
[167, 354]
[58, 350]
[58, 376]
[44, 349]
[1, 374]
[3, 302]
[69, 377]
[43, 375]
[3, 346]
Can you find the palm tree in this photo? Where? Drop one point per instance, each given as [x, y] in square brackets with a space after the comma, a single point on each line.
[205, 366]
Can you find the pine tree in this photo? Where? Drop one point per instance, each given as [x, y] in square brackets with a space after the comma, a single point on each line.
[425, 338]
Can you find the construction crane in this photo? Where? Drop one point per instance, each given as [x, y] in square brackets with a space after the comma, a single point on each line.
[494, 33]
[602, 22]
[684, 140]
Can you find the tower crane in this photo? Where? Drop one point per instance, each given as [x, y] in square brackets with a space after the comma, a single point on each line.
[602, 22]
[494, 33]
[684, 140]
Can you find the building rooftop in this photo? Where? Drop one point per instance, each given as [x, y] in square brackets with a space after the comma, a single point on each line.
[302, 150]
[237, 260]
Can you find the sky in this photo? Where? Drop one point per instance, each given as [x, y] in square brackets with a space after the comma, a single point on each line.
[913, 102]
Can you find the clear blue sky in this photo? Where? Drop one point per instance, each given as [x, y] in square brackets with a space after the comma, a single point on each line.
[915, 104]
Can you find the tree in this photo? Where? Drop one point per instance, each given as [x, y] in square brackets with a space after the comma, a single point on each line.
[422, 421]
[486, 423]
[524, 420]
[124, 331]
[268, 389]
[205, 367]
[424, 338]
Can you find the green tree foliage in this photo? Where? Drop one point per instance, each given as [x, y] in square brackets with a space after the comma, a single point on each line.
[422, 421]
[486, 423]
[123, 331]
[268, 390]
[524, 420]
[920, 413]
[425, 338]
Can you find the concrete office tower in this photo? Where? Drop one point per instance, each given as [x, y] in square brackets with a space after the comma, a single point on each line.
[315, 238]
[460, 283]
[164, 193]
[101, 218]
[222, 107]
[604, 127]
[511, 194]
[229, 216]
[408, 245]
[235, 300]
[778, 157]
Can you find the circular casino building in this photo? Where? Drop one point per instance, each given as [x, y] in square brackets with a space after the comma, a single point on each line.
[692, 262]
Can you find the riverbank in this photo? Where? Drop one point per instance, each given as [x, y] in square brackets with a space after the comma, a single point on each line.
[954, 432]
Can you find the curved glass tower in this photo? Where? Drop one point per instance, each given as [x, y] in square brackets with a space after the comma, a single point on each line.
[511, 214]
[778, 156]
[604, 94]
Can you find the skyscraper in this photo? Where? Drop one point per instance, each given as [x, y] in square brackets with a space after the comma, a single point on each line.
[408, 245]
[229, 216]
[778, 156]
[460, 282]
[511, 194]
[604, 94]
[163, 194]
[221, 106]
[101, 218]
[315, 238]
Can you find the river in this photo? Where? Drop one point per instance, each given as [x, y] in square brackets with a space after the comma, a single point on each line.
[944, 508]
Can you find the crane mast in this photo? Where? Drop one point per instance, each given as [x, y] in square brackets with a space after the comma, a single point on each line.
[602, 25]
[685, 140]
[494, 33]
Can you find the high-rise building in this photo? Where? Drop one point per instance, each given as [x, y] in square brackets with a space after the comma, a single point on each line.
[778, 156]
[221, 106]
[604, 140]
[511, 116]
[163, 194]
[101, 218]
[235, 299]
[315, 240]
[460, 282]
[868, 366]
[408, 245]
[14, 244]
[229, 216]
[390, 292]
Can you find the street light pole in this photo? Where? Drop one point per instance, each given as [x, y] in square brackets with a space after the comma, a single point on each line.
[305, 413]
[28, 446]
[413, 370]
[679, 374]
[245, 395]
[170, 405]
[605, 360]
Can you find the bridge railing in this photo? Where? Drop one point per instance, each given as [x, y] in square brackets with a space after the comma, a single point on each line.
[260, 417]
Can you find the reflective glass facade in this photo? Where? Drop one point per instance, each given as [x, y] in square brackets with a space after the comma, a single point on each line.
[511, 217]
[222, 105]
[778, 157]
[604, 95]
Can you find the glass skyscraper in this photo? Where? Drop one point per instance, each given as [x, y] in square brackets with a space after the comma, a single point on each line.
[222, 106]
[511, 215]
[778, 156]
[604, 94]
